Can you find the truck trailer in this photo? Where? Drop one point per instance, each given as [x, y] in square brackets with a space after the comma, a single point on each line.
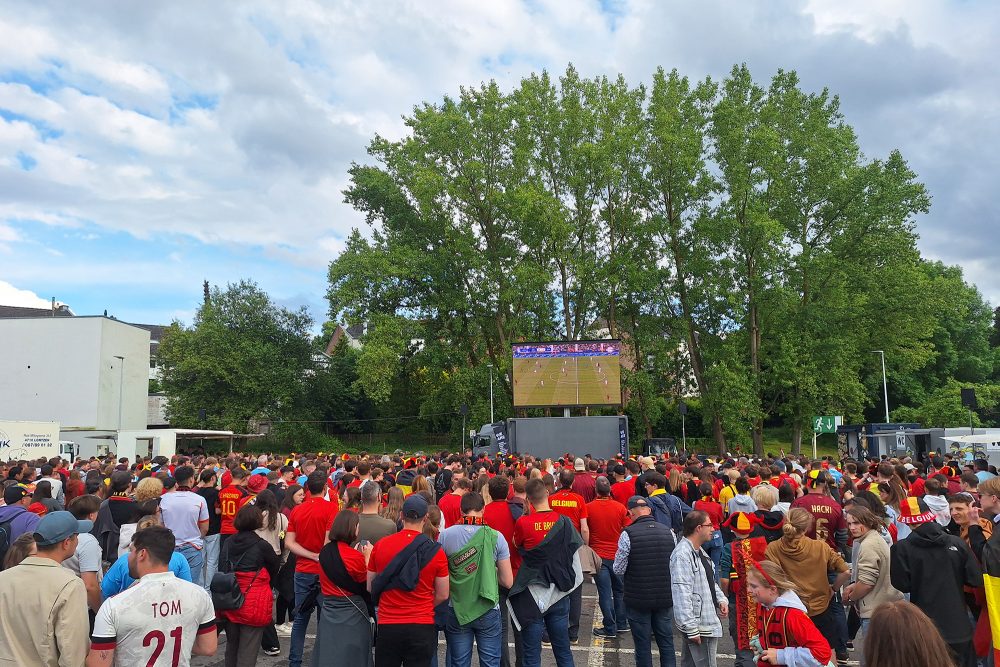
[551, 437]
[30, 441]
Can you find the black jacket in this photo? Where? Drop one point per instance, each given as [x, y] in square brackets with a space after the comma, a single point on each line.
[933, 566]
[551, 562]
[403, 571]
[246, 551]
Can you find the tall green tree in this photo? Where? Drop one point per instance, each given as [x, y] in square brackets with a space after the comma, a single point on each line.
[243, 359]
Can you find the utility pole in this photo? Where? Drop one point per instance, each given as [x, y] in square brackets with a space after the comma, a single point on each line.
[490, 366]
[121, 388]
[885, 386]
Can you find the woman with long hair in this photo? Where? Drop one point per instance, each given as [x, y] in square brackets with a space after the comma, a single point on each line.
[345, 622]
[294, 495]
[394, 505]
[870, 586]
[809, 563]
[352, 499]
[420, 483]
[254, 562]
[274, 524]
[20, 549]
[901, 635]
[891, 494]
[42, 501]
[74, 485]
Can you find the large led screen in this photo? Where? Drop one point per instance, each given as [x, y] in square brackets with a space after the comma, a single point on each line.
[567, 374]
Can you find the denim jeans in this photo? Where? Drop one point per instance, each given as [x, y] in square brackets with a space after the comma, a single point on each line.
[211, 556]
[863, 634]
[556, 621]
[196, 561]
[485, 630]
[700, 655]
[649, 623]
[609, 596]
[304, 583]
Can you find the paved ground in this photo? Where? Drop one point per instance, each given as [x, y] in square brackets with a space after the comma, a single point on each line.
[591, 651]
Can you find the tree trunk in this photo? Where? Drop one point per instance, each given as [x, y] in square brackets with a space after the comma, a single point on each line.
[797, 438]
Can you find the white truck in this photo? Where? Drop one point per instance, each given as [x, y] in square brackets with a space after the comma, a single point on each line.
[30, 441]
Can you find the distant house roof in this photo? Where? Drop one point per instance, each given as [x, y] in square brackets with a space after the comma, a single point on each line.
[155, 330]
[20, 311]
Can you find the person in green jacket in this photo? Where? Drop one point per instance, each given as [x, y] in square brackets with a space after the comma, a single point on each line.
[478, 563]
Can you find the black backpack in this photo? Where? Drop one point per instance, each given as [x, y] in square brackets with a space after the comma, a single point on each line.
[5, 538]
[442, 483]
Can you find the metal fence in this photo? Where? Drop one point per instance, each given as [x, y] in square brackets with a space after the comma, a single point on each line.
[388, 442]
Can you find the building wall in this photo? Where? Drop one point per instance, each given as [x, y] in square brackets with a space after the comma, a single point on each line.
[66, 370]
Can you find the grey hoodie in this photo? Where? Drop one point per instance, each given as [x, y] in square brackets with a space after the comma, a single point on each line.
[795, 656]
[741, 503]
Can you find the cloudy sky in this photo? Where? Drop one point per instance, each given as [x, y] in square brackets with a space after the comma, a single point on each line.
[146, 146]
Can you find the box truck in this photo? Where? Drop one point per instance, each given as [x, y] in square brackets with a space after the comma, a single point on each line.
[551, 437]
[30, 441]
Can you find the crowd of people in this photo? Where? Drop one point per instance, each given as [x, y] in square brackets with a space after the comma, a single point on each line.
[119, 562]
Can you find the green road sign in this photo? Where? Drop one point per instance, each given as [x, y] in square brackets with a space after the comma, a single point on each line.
[826, 424]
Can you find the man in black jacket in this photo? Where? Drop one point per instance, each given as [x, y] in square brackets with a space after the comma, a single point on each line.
[643, 559]
[933, 566]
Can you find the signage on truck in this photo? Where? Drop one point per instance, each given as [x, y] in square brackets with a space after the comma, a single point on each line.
[28, 440]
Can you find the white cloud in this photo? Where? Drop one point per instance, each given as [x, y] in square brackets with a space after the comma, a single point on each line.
[235, 124]
[12, 296]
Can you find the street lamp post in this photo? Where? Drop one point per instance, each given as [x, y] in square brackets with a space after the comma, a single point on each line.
[121, 388]
[490, 366]
[885, 387]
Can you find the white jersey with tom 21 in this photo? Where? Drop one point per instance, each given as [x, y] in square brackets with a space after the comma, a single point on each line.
[154, 623]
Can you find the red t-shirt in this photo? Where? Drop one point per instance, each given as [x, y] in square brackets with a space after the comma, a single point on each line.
[622, 491]
[231, 499]
[451, 508]
[713, 509]
[606, 518]
[586, 485]
[532, 528]
[828, 514]
[416, 606]
[570, 505]
[354, 563]
[497, 516]
[311, 522]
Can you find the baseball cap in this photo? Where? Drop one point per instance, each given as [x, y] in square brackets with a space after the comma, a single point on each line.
[636, 501]
[415, 507]
[578, 465]
[13, 494]
[58, 526]
[257, 483]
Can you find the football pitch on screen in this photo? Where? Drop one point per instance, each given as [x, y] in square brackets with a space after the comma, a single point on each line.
[567, 381]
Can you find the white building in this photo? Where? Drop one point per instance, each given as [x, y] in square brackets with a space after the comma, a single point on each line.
[89, 374]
